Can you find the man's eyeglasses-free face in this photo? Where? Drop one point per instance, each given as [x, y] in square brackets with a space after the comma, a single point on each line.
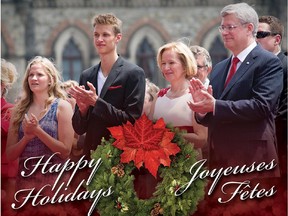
[263, 34]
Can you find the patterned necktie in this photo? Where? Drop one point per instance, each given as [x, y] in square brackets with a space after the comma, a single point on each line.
[232, 70]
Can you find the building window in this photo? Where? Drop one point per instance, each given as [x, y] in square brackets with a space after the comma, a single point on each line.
[146, 59]
[72, 61]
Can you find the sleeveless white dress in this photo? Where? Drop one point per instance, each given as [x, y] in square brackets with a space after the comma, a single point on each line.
[174, 111]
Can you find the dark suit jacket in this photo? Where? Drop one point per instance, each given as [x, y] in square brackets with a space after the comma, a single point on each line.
[121, 100]
[242, 129]
[282, 111]
[281, 119]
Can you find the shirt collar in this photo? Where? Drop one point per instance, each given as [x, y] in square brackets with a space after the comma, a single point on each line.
[242, 55]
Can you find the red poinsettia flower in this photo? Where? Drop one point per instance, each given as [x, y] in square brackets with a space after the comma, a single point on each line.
[145, 143]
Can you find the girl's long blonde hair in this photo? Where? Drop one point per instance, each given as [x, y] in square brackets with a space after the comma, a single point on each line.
[54, 90]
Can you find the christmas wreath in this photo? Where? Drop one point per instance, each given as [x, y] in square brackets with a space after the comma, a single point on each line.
[150, 145]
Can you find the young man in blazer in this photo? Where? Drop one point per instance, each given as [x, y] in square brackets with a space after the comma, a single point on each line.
[109, 93]
[240, 113]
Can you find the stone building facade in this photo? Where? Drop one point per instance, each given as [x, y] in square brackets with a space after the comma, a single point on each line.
[62, 30]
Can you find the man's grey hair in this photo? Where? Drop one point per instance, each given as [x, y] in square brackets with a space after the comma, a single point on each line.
[244, 12]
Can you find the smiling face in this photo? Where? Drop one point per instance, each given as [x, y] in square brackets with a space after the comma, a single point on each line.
[38, 78]
[171, 66]
[105, 40]
[236, 36]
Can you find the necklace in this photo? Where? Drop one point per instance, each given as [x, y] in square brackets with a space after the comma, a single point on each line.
[178, 93]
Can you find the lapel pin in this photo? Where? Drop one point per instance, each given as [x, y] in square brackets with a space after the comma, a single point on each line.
[247, 63]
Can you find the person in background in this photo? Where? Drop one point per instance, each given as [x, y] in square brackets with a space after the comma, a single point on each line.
[40, 125]
[150, 94]
[269, 35]
[204, 67]
[240, 113]
[111, 92]
[204, 63]
[9, 169]
[66, 86]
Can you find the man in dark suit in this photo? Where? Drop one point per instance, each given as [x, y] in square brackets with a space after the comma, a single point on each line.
[269, 35]
[240, 114]
[109, 93]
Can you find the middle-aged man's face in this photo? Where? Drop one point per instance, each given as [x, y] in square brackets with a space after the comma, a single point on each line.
[236, 36]
[202, 69]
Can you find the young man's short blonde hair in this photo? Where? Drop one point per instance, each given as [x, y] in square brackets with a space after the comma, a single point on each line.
[108, 19]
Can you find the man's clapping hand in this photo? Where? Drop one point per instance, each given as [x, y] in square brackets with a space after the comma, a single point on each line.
[202, 99]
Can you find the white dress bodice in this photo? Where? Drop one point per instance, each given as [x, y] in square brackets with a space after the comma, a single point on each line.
[174, 111]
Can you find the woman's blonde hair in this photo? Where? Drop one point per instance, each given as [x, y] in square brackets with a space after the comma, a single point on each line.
[185, 56]
[8, 75]
[54, 90]
[68, 84]
[151, 89]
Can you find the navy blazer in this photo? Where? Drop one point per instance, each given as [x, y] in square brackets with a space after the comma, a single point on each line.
[241, 130]
[121, 100]
[282, 111]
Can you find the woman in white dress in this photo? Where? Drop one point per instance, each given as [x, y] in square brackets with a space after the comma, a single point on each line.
[178, 66]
